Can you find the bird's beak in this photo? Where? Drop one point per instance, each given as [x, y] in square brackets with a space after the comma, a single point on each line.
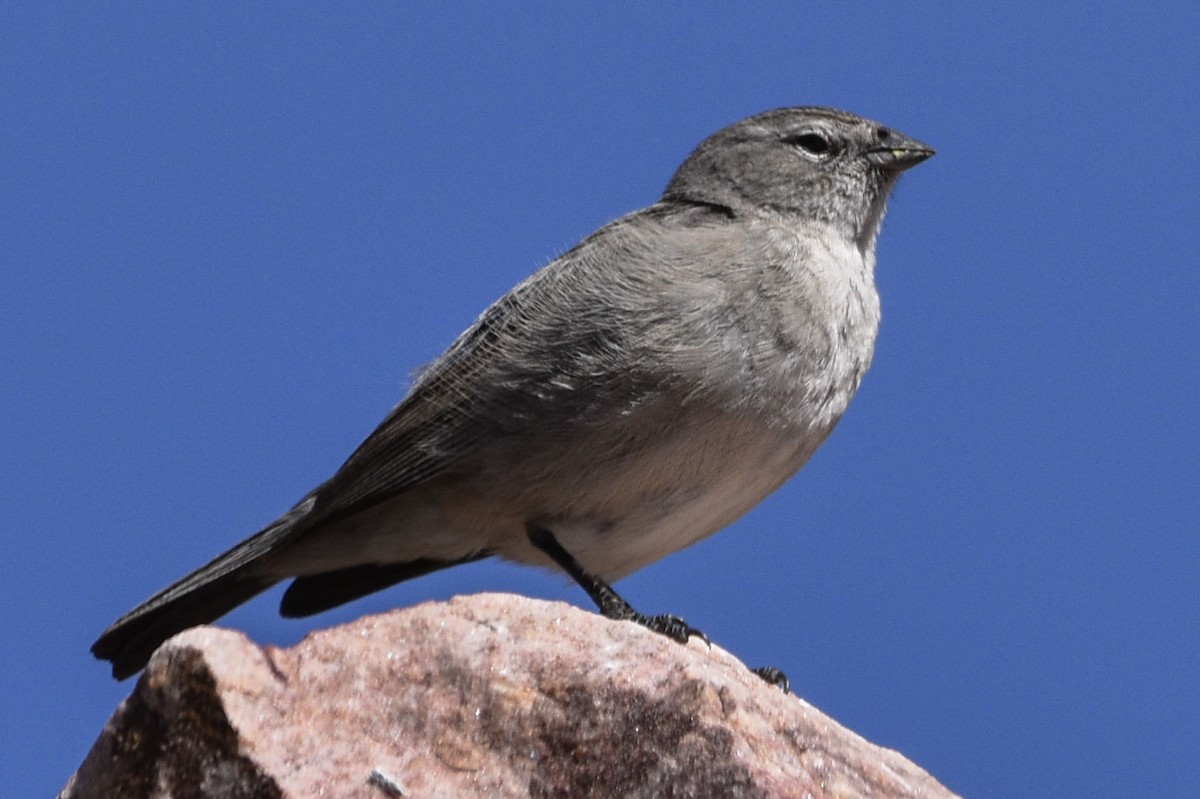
[898, 152]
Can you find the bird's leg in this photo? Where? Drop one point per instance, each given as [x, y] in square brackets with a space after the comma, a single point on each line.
[610, 603]
[612, 606]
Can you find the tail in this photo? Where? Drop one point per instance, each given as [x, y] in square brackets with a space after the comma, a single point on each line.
[203, 596]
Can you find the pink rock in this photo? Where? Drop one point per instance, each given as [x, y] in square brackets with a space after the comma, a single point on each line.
[489, 695]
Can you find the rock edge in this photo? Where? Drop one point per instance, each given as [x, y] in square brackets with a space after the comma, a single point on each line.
[487, 695]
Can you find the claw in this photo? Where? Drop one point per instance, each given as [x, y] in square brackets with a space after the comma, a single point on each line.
[773, 676]
[672, 627]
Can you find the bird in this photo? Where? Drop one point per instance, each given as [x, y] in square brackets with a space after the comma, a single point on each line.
[631, 397]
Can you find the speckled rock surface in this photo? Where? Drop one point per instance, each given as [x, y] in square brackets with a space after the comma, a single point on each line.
[489, 695]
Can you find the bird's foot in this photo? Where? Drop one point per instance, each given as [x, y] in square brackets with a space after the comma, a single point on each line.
[773, 676]
[672, 627]
[609, 602]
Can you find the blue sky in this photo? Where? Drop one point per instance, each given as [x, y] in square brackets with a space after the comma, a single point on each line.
[230, 235]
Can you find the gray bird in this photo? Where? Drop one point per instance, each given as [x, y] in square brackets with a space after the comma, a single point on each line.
[630, 398]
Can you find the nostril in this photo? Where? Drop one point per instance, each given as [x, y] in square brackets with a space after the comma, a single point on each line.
[883, 134]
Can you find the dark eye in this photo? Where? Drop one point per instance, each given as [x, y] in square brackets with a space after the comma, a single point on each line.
[811, 143]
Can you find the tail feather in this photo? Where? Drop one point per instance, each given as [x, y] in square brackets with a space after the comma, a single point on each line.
[203, 596]
[316, 593]
[131, 641]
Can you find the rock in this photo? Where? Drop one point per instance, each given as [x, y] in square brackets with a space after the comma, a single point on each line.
[489, 695]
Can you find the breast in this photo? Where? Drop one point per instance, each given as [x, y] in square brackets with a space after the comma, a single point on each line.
[795, 332]
[762, 388]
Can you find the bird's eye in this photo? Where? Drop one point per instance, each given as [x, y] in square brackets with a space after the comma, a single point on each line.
[811, 143]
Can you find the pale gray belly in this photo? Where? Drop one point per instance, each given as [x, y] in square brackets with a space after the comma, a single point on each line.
[682, 488]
